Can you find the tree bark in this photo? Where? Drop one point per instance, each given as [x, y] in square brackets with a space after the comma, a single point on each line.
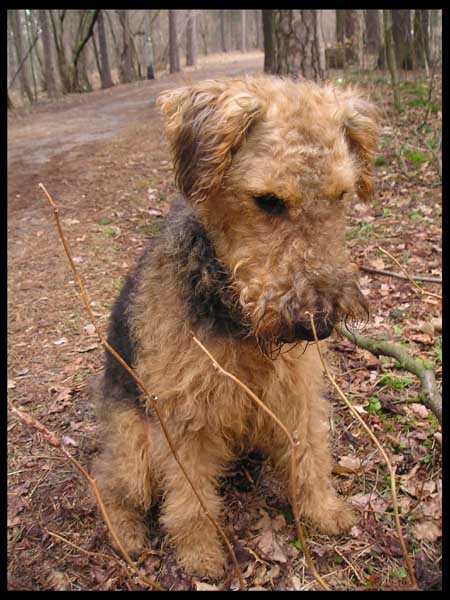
[269, 46]
[401, 31]
[105, 71]
[340, 25]
[257, 14]
[87, 23]
[243, 30]
[18, 42]
[373, 31]
[174, 55]
[299, 47]
[191, 32]
[390, 56]
[223, 40]
[149, 46]
[48, 59]
[421, 37]
[354, 36]
[126, 59]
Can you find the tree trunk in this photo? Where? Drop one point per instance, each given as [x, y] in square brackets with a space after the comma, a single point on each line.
[421, 38]
[222, 32]
[174, 55]
[257, 13]
[401, 31]
[269, 46]
[354, 36]
[86, 29]
[48, 59]
[18, 42]
[31, 45]
[243, 30]
[340, 25]
[191, 32]
[390, 55]
[149, 46]
[373, 31]
[58, 38]
[299, 47]
[126, 58]
[105, 71]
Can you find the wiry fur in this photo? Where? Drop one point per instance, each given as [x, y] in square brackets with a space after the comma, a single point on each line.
[242, 280]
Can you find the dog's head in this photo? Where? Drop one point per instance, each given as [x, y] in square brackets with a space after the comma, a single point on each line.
[268, 165]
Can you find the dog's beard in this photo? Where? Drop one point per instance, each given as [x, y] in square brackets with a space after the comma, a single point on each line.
[280, 327]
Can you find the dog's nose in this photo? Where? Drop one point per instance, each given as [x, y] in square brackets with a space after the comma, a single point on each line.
[324, 328]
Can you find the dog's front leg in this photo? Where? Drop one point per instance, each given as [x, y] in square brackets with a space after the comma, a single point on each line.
[198, 547]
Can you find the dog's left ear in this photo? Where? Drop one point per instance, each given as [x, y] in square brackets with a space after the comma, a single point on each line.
[206, 123]
[361, 126]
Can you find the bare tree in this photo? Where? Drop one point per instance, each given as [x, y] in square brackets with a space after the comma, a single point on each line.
[16, 26]
[390, 55]
[222, 32]
[340, 25]
[402, 35]
[48, 59]
[126, 59]
[354, 36]
[270, 60]
[258, 27]
[243, 29]
[297, 43]
[174, 54]
[149, 44]
[422, 38]
[105, 71]
[191, 33]
[373, 31]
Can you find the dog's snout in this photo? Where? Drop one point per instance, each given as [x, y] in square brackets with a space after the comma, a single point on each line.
[324, 328]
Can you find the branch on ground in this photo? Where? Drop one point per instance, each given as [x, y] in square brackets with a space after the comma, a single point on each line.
[429, 394]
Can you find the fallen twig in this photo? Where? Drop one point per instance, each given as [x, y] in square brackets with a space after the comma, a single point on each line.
[426, 278]
[141, 385]
[380, 448]
[417, 286]
[429, 395]
[54, 441]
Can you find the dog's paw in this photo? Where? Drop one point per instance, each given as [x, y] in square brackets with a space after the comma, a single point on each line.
[132, 534]
[335, 517]
[208, 563]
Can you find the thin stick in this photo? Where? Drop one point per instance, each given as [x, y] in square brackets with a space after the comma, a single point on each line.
[416, 285]
[380, 449]
[141, 385]
[294, 460]
[54, 441]
[399, 276]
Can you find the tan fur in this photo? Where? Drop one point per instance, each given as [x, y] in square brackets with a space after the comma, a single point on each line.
[233, 140]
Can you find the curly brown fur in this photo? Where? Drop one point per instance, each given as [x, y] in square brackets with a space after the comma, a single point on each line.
[265, 166]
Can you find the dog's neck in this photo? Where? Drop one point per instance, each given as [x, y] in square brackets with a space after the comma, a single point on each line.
[206, 279]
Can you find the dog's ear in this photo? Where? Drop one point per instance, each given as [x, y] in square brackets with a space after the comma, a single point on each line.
[205, 124]
[361, 126]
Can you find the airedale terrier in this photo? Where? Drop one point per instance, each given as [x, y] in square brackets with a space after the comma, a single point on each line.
[265, 166]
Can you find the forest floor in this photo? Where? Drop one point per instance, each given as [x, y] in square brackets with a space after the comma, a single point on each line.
[104, 159]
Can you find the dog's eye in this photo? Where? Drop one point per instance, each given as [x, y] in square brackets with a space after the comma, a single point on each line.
[343, 194]
[270, 204]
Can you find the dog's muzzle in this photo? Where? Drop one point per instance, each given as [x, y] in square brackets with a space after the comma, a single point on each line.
[302, 330]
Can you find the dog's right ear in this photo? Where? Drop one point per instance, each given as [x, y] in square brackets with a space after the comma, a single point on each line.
[205, 124]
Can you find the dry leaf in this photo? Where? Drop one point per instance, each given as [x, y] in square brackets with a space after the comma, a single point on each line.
[90, 329]
[427, 530]
[419, 410]
[352, 463]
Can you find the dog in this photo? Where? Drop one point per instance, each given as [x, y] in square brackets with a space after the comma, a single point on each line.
[255, 244]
